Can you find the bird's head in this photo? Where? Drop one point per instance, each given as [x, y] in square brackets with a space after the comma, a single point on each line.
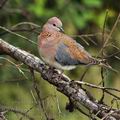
[54, 23]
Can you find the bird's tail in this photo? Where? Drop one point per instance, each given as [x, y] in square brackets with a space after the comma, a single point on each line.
[104, 63]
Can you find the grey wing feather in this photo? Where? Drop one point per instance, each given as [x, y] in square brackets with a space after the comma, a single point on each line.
[63, 57]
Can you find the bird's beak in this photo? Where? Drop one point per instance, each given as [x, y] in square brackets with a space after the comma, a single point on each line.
[61, 29]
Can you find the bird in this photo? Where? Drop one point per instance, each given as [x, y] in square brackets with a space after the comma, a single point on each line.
[61, 51]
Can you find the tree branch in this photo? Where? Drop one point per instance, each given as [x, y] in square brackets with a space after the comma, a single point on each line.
[72, 90]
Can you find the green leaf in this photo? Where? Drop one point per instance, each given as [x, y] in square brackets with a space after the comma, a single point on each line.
[93, 3]
[37, 8]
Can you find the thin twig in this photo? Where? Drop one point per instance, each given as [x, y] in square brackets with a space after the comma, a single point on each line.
[26, 23]
[102, 55]
[39, 100]
[95, 86]
[28, 111]
[20, 30]
[4, 108]
[17, 66]
[84, 73]
[17, 35]
[111, 32]
[100, 87]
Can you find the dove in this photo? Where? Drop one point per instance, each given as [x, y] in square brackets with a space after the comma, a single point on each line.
[61, 51]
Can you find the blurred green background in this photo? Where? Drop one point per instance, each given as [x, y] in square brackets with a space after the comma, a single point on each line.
[79, 17]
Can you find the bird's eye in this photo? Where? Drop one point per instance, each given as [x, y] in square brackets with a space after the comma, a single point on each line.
[54, 24]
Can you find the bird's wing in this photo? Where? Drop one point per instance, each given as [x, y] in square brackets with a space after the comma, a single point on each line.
[69, 52]
[63, 56]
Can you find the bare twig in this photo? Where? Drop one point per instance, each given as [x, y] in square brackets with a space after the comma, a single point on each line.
[15, 28]
[102, 55]
[95, 86]
[83, 75]
[28, 111]
[17, 66]
[39, 100]
[111, 32]
[16, 34]
[4, 108]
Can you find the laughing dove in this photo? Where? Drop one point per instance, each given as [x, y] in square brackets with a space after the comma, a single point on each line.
[61, 51]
